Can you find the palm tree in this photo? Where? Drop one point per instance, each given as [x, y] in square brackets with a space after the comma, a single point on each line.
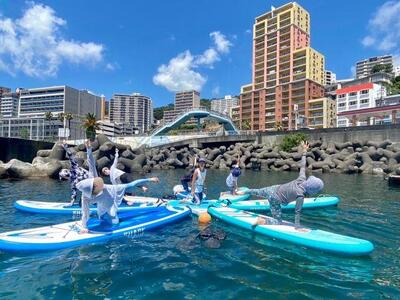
[69, 117]
[48, 115]
[90, 125]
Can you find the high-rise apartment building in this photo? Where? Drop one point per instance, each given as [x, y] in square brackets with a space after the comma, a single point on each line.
[223, 105]
[187, 100]
[287, 72]
[396, 71]
[184, 100]
[9, 105]
[330, 77]
[364, 67]
[135, 110]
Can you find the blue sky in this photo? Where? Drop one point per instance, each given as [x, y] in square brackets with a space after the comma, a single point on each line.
[120, 46]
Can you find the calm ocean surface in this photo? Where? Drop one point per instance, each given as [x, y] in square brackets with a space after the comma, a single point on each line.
[171, 263]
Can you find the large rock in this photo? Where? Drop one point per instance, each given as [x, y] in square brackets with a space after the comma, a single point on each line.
[43, 153]
[136, 164]
[3, 171]
[19, 169]
[102, 139]
[103, 162]
[49, 169]
[57, 152]
[128, 154]
[106, 149]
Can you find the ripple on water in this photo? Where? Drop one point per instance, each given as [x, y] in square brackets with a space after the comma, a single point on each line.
[171, 263]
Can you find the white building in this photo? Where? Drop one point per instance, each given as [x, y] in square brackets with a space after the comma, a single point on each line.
[135, 110]
[9, 105]
[330, 77]
[396, 71]
[364, 67]
[224, 105]
[357, 97]
[34, 103]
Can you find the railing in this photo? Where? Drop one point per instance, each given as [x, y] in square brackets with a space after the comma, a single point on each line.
[183, 112]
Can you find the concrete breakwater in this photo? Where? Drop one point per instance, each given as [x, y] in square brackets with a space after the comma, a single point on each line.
[367, 157]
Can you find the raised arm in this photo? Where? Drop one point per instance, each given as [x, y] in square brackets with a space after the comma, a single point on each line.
[304, 148]
[194, 178]
[91, 161]
[129, 186]
[115, 162]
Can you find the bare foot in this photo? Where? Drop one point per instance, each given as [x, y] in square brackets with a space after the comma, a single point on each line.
[83, 231]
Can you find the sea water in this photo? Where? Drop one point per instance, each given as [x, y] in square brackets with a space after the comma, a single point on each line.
[172, 263]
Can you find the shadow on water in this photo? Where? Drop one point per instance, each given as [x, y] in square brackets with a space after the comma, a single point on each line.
[172, 263]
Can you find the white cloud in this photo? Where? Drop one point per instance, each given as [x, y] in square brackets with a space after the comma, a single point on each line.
[178, 74]
[248, 31]
[209, 57]
[223, 45]
[181, 71]
[353, 71]
[34, 45]
[215, 91]
[384, 28]
[112, 66]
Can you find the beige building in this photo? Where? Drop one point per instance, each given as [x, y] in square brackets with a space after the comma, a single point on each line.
[184, 101]
[287, 72]
[322, 113]
[235, 115]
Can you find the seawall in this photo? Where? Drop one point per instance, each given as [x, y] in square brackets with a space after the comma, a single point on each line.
[21, 149]
[338, 135]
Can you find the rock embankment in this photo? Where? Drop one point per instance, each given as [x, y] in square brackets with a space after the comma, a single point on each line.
[367, 157]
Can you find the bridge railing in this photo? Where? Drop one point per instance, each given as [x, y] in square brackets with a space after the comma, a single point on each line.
[183, 112]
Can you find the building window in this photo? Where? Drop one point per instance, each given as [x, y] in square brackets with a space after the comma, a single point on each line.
[351, 103]
[364, 92]
[353, 94]
[342, 96]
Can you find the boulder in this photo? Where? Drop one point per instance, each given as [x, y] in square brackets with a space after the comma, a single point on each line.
[136, 164]
[49, 169]
[102, 139]
[57, 153]
[106, 149]
[19, 169]
[3, 171]
[127, 154]
[43, 153]
[103, 162]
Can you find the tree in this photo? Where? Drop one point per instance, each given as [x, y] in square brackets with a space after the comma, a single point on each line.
[246, 125]
[90, 125]
[69, 117]
[393, 88]
[158, 112]
[278, 126]
[24, 133]
[205, 103]
[386, 68]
